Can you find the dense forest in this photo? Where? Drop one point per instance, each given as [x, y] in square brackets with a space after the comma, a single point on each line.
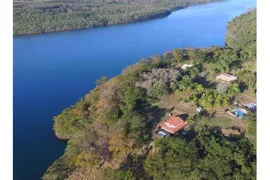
[110, 130]
[41, 16]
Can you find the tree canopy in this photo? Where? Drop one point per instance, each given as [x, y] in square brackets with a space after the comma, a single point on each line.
[39, 16]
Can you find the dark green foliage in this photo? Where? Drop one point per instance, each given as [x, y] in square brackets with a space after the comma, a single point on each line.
[200, 55]
[224, 60]
[207, 98]
[194, 71]
[249, 79]
[77, 117]
[59, 169]
[139, 116]
[133, 165]
[47, 16]
[241, 31]
[178, 55]
[69, 118]
[251, 117]
[241, 36]
[208, 156]
[124, 175]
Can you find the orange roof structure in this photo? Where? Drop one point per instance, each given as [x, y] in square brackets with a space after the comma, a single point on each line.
[173, 124]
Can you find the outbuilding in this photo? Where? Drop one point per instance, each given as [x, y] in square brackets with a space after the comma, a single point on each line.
[226, 77]
[185, 66]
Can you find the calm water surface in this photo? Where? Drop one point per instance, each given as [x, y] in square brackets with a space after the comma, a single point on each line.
[52, 71]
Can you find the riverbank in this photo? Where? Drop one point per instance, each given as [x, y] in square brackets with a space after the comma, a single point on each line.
[162, 15]
[39, 18]
[61, 137]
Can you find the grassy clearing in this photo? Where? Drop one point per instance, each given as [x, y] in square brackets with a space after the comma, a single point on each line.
[245, 98]
[229, 125]
[179, 107]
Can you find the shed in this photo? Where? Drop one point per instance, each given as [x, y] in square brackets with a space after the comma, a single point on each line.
[226, 77]
[185, 66]
[199, 109]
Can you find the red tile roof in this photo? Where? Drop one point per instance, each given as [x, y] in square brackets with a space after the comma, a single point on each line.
[173, 124]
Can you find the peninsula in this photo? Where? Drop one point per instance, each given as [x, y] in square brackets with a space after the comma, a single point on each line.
[186, 114]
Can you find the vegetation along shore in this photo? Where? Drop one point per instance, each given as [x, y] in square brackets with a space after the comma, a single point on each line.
[116, 131]
[42, 16]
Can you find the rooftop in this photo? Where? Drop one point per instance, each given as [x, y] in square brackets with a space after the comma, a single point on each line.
[226, 77]
[173, 124]
[185, 66]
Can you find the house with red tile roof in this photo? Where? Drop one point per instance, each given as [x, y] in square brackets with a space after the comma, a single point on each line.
[173, 124]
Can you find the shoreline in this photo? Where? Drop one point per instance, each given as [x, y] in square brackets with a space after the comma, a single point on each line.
[60, 137]
[158, 16]
[107, 25]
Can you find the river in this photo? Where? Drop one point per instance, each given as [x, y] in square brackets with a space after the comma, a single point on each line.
[52, 71]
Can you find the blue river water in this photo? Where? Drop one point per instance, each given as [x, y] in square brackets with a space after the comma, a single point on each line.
[52, 71]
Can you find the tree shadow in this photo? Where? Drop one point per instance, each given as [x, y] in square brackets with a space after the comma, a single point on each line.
[205, 113]
[154, 114]
[135, 164]
[183, 116]
[205, 83]
[187, 134]
[242, 87]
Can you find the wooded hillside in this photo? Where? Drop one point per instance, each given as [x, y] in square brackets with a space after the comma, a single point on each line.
[41, 16]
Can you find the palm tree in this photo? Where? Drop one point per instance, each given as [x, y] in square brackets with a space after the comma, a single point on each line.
[233, 90]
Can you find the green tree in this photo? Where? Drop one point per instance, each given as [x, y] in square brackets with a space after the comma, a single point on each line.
[102, 80]
[124, 175]
[193, 72]
[178, 55]
[233, 90]
[200, 56]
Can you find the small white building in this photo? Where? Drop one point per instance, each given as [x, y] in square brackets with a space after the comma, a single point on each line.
[185, 66]
[226, 77]
[199, 109]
